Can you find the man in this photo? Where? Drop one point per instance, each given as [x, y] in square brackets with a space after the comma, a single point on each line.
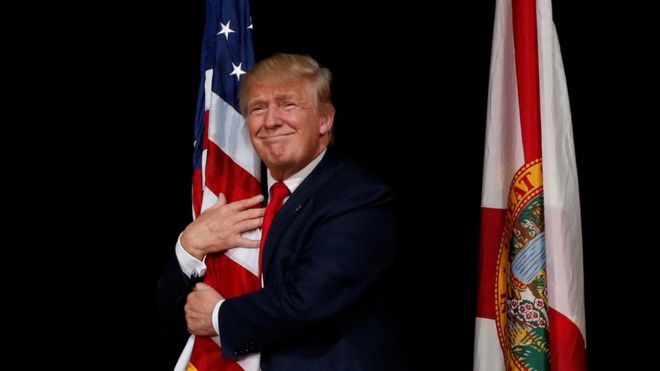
[326, 301]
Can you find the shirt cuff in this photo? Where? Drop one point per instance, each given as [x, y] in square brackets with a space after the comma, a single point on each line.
[214, 318]
[191, 266]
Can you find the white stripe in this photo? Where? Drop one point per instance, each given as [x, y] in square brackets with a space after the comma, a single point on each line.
[563, 229]
[251, 362]
[204, 155]
[487, 352]
[247, 258]
[184, 358]
[208, 199]
[208, 81]
[503, 153]
[228, 130]
[248, 363]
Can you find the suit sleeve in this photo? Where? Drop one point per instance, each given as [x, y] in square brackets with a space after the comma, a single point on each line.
[345, 254]
[171, 293]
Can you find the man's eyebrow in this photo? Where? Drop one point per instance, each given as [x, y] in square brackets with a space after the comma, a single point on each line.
[283, 95]
[279, 97]
[256, 100]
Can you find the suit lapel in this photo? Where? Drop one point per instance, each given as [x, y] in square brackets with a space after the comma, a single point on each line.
[296, 201]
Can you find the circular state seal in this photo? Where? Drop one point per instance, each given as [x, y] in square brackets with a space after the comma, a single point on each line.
[520, 294]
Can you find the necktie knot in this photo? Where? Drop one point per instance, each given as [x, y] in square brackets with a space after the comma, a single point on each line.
[279, 191]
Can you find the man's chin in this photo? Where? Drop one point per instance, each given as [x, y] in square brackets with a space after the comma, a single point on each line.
[277, 161]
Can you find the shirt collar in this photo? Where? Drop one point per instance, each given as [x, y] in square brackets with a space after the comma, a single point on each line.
[296, 179]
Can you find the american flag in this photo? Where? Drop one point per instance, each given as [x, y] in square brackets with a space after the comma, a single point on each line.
[224, 162]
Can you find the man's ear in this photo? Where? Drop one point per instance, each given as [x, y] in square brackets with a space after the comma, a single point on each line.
[327, 120]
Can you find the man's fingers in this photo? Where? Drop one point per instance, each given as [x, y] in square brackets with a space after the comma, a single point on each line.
[252, 213]
[200, 286]
[250, 224]
[244, 242]
[222, 199]
[241, 216]
[247, 203]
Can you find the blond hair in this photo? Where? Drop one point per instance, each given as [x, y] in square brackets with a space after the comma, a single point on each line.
[281, 68]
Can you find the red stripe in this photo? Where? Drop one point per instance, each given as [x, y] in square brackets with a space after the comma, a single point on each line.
[223, 175]
[198, 191]
[567, 348]
[206, 357]
[492, 225]
[230, 278]
[205, 140]
[527, 76]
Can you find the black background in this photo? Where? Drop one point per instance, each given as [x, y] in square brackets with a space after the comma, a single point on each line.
[105, 108]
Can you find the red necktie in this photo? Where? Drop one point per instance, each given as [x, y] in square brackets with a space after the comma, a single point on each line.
[279, 192]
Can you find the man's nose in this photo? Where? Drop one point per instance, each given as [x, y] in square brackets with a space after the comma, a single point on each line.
[273, 119]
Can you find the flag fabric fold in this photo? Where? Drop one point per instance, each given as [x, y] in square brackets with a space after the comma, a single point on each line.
[530, 307]
[224, 162]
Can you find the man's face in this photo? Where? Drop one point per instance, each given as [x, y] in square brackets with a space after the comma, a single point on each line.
[286, 128]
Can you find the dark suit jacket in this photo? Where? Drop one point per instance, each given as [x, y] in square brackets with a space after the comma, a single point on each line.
[328, 286]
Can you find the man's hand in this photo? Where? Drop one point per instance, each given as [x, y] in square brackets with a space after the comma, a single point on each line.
[219, 227]
[199, 309]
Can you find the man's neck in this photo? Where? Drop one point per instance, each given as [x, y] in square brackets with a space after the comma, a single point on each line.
[292, 182]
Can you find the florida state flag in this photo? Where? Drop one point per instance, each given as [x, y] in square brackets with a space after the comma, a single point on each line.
[530, 312]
